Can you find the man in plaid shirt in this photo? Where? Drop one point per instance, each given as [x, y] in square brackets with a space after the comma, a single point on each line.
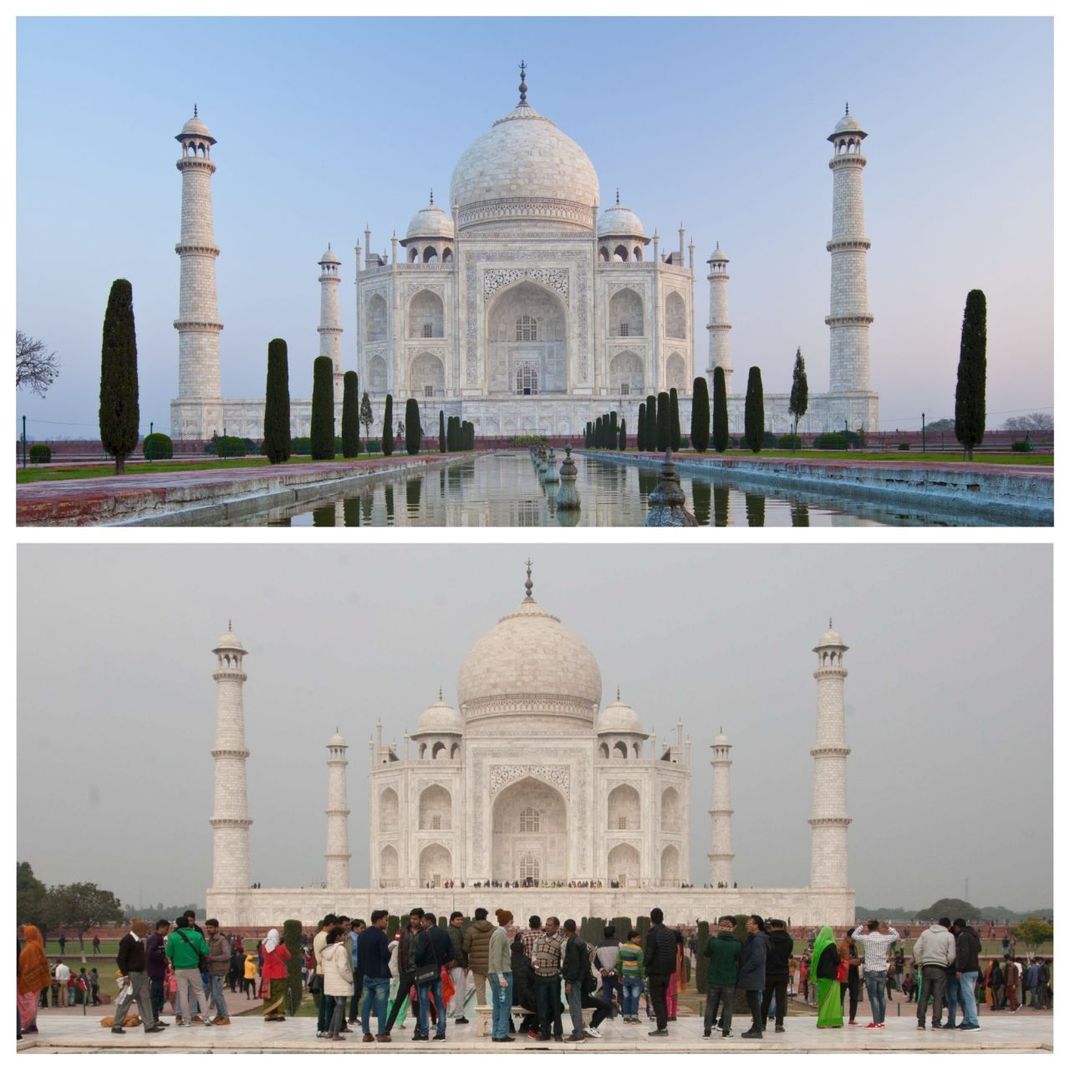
[546, 963]
[877, 941]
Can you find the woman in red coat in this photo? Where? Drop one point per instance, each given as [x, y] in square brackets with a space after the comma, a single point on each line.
[275, 976]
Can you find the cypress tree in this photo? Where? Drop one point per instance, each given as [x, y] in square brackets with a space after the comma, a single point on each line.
[800, 391]
[640, 436]
[414, 433]
[293, 938]
[599, 439]
[441, 431]
[322, 429]
[119, 413]
[720, 411]
[674, 420]
[277, 404]
[651, 442]
[700, 416]
[614, 434]
[754, 411]
[451, 434]
[388, 426]
[367, 418]
[622, 443]
[350, 415]
[970, 389]
[664, 424]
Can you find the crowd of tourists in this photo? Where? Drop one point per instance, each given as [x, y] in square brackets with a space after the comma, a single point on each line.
[537, 981]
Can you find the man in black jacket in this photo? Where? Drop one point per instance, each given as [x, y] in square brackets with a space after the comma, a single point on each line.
[967, 967]
[373, 957]
[406, 966]
[659, 960]
[433, 949]
[131, 962]
[575, 960]
[752, 972]
[781, 946]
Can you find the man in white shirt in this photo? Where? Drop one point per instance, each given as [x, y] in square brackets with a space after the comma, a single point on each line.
[63, 975]
[877, 940]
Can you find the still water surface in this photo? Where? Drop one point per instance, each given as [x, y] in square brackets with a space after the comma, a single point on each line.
[503, 490]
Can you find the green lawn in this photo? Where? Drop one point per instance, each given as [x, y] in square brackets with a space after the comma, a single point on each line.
[862, 457]
[35, 474]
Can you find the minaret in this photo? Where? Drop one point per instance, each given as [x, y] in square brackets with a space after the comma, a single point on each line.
[828, 817]
[198, 323]
[230, 817]
[849, 319]
[721, 853]
[330, 328]
[719, 325]
[337, 815]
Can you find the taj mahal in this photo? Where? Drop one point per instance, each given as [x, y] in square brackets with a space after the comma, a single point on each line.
[522, 305]
[567, 805]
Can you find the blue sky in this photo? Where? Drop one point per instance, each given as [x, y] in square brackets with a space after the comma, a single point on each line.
[326, 124]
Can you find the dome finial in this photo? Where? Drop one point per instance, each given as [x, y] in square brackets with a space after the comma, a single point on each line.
[846, 108]
[528, 585]
[523, 86]
[194, 111]
[440, 694]
[432, 196]
[618, 694]
[230, 625]
[618, 195]
[830, 622]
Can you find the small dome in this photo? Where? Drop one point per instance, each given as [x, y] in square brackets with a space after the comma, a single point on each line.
[430, 222]
[619, 717]
[195, 128]
[229, 641]
[718, 254]
[721, 740]
[620, 222]
[329, 257]
[831, 637]
[440, 717]
[847, 124]
[337, 741]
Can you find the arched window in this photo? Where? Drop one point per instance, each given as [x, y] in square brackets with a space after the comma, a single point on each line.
[529, 819]
[375, 319]
[436, 808]
[603, 749]
[388, 810]
[527, 380]
[527, 329]
[414, 255]
[625, 314]
[438, 749]
[529, 868]
[620, 255]
[603, 255]
[624, 808]
[455, 750]
[638, 254]
[377, 374]
[447, 256]
[675, 316]
[621, 748]
[430, 256]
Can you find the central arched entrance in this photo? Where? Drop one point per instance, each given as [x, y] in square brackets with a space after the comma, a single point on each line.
[526, 347]
[530, 833]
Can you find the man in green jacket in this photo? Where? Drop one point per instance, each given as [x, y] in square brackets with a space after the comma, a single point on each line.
[184, 949]
[723, 951]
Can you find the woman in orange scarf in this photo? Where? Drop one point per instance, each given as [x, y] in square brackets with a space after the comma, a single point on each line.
[33, 976]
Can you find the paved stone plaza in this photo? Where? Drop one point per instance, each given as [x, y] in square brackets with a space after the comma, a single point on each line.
[1004, 1033]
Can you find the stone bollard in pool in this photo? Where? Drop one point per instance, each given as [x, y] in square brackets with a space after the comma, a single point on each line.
[667, 502]
[549, 474]
[568, 498]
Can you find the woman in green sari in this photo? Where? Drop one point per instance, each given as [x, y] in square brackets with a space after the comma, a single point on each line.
[826, 964]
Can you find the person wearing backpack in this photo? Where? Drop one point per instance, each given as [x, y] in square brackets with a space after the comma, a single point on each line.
[185, 950]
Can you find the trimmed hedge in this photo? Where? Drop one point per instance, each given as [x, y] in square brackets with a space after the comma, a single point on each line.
[157, 447]
[40, 453]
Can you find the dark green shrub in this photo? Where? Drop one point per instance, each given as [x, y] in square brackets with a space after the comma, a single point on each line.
[350, 443]
[830, 440]
[789, 442]
[300, 446]
[1022, 446]
[277, 404]
[42, 454]
[700, 415]
[414, 433]
[769, 440]
[228, 446]
[119, 412]
[157, 447]
[322, 424]
[904, 445]
[374, 445]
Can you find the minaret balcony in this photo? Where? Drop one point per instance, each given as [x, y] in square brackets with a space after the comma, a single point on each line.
[847, 159]
[840, 244]
[859, 319]
[830, 752]
[196, 247]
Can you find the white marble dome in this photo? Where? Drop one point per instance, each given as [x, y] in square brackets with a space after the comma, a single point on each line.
[440, 717]
[620, 222]
[329, 257]
[529, 166]
[229, 641]
[848, 124]
[619, 717]
[337, 740]
[530, 659]
[195, 128]
[430, 222]
[718, 254]
[831, 637]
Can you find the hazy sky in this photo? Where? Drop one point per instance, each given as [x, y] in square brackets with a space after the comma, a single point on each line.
[949, 696]
[325, 124]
